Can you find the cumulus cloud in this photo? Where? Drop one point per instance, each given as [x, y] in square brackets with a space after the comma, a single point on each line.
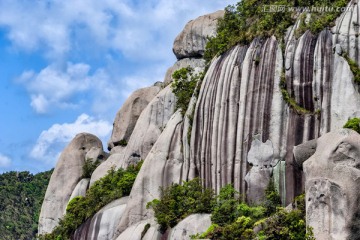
[52, 141]
[5, 161]
[55, 87]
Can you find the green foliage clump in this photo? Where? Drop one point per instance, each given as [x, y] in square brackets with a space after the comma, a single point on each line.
[288, 224]
[290, 100]
[183, 86]
[179, 201]
[249, 19]
[89, 167]
[354, 124]
[233, 219]
[123, 142]
[353, 67]
[114, 185]
[21, 196]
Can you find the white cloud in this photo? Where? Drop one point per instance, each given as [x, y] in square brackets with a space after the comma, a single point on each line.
[4, 161]
[52, 141]
[55, 87]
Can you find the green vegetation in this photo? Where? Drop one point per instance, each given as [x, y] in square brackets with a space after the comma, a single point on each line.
[123, 143]
[353, 67]
[288, 99]
[179, 201]
[21, 196]
[114, 185]
[231, 218]
[247, 20]
[184, 86]
[89, 167]
[354, 124]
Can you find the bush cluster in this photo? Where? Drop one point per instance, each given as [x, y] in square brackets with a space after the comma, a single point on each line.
[89, 167]
[184, 86]
[179, 201]
[231, 217]
[247, 20]
[114, 185]
[354, 124]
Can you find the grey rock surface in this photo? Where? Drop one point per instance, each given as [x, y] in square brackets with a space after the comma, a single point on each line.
[161, 168]
[134, 231]
[193, 224]
[64, 179]
[103, 224]
[261, 158]
[80, 189]
[129, 113]
[192, 40]
[333, 186]
[304, 151]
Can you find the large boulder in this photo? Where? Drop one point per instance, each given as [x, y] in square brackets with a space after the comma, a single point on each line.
[143, 230]
[333, 186]
[129, 113]
[192, 40]
[103, 224]
[67, 174]
[193, 224]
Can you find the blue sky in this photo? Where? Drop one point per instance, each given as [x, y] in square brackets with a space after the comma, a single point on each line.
[67, 66]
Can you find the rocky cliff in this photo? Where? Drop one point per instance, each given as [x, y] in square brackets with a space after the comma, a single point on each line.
[242, 129]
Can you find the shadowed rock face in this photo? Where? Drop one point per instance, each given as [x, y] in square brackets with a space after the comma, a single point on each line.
[333, 186]
[64, 179]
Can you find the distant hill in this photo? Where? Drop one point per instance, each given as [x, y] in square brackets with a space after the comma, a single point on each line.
[21, 196]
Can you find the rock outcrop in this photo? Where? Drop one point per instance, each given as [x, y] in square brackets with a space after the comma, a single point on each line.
[147, 130]
[129, 113]
[332, 186]
[66, 176]
[193, 224]
[103, 224]
[192, 40]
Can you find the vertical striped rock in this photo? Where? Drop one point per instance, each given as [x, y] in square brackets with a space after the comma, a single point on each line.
[103, 224]
[67, 174]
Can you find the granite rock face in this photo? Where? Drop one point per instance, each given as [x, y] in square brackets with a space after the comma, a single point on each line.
[166, 155]
[66, 176]
[103, 224]
[193, 224]
[260, 157]
[192, 40]
[80, 189]
[332, 186]
[240, 130]
[129, 113]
